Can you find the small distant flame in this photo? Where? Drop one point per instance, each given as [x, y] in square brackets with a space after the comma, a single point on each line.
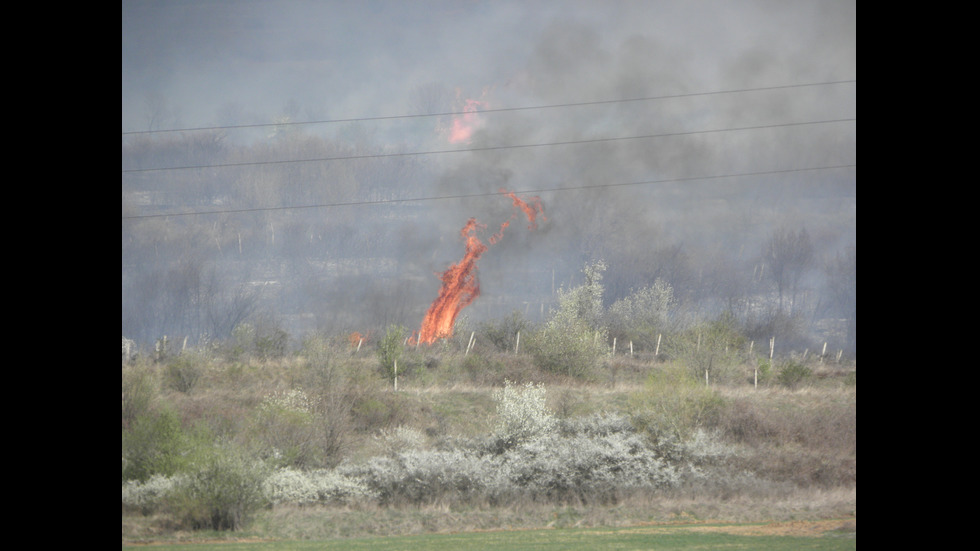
[531, 211]
[463, 126]
[460, 285]
[467, 122]
[356, 339]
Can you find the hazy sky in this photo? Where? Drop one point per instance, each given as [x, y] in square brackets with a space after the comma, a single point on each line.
[724, 141]
[207, 62]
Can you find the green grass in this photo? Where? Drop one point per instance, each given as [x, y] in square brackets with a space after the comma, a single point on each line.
[681, 537]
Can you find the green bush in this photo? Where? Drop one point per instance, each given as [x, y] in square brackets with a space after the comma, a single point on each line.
[262, 338]
[567, 347]
[675, 403]
[573, 340]
[183, 372]
[714, 348]
[284, 430]
[157, 443]
[220, 491]
[502, 334]
[643, 315]
[793, 374]
[390, 350]
[139, 388]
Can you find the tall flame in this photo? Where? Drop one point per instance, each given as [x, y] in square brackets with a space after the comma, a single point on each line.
[460, 285]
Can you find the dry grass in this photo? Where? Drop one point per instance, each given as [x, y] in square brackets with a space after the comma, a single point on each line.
[802, 440]
[314, 523]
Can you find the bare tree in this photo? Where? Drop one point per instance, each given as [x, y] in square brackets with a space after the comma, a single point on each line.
[789, 256]
[842, 286]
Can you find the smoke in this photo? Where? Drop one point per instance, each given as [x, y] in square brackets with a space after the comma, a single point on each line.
[198, 64]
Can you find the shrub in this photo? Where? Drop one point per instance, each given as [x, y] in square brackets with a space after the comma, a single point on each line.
[139, 387]
[502, 334]
[183, 372]
[674, 403]
[584, 468]
[147, 496]
[261, 338]
[424, 476]
[793, 374]
[157, 444]
[285, 430]
[573, 340]
[521, 414]
[400, 439]
[320, 486]
[713, 348]
[221, 491]
[390, 350]
[567, 346]
[333, 385]
[642, 315]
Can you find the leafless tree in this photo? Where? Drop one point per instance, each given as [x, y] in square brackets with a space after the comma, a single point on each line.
[789, 255]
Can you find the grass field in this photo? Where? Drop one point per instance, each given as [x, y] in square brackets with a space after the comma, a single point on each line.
[792, 447]
[835, 534]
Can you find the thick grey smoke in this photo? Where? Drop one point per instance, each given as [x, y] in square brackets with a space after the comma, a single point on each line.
[214, 63]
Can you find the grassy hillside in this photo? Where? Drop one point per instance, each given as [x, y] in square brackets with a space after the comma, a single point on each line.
[319, 444]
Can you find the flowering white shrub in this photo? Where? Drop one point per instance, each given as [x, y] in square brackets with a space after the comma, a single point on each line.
[322, 486]
[521, 413]
[291, 400]
[291, 486]
[529, 455]
[147, 496]
[420, 476]
[590, 458]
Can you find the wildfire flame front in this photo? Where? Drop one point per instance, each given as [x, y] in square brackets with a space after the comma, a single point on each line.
[460, 285]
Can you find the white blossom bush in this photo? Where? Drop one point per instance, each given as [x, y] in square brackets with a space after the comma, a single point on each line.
[592, 459]
[321, 486]
[529, 455]
[147, 496]
[423, 476]
[521, 413]
[290, 400]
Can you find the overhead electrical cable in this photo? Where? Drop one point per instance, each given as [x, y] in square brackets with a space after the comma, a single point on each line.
[488, 148]
[490, 194]
[492, 110]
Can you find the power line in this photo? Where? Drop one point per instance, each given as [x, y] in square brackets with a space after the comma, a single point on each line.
[490, 194]
[497, 110]
[489, 148]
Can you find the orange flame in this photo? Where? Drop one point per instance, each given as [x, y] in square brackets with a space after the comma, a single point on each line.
[356, 339]
[460, 285]
[463, 126]
[531, 211]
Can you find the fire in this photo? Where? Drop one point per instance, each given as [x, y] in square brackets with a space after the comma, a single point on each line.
[531, 211]
[463, 126]
[356, 339]
[460, 285]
